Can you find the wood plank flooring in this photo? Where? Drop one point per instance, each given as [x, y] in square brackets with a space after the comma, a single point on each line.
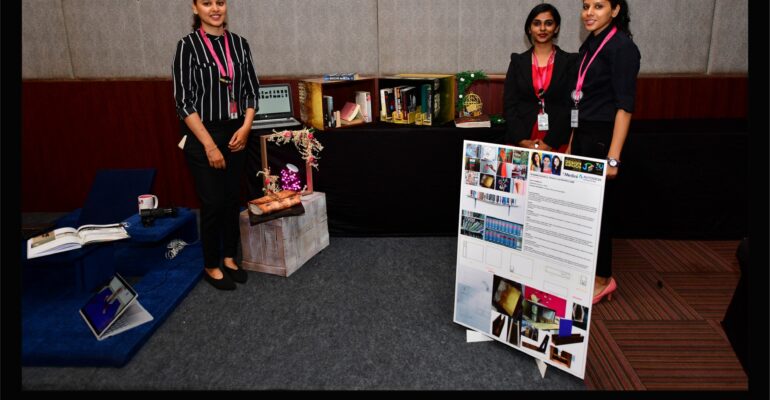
[662, 330]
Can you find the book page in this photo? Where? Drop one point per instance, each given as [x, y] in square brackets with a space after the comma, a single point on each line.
[56, 241]
[134, 316]
[101, 233]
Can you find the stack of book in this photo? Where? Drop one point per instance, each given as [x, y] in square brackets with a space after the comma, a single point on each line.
[345, 76]
[481, 121]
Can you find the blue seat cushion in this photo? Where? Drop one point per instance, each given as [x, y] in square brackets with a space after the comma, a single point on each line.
[184, 226]
[54, 333]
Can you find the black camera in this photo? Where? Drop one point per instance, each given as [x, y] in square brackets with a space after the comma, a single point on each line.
[149, 215]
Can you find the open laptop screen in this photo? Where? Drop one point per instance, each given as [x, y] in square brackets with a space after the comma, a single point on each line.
[107, 305]
[274, 102]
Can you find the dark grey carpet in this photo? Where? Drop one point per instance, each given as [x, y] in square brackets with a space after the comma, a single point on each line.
[365, 313]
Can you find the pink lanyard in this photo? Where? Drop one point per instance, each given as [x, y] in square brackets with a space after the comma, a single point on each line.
[541, 77]
[577, 94]
[229, 74]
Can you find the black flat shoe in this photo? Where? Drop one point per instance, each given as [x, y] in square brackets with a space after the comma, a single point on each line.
[238, 275]
[226, 283]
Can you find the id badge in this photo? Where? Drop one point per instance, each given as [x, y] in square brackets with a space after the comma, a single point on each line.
[233, 110]
[233, 104]
[573, 121]
[542, 122]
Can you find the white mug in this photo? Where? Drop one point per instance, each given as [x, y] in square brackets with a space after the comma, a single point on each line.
[147, 202]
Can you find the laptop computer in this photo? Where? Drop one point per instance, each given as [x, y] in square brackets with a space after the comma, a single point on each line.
[275, 107]
[114, 309]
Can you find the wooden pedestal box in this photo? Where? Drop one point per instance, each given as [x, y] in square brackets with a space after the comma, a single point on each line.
[283, 245]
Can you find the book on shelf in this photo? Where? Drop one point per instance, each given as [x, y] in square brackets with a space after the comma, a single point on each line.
[364, 99]
[426, 104]
[398, 112]
[350, 111]
[409, 103]
[387, 104]
[66, 239]
[420, 99]
[345, 76]
[328, 112]
[313, 105]
[482, 121]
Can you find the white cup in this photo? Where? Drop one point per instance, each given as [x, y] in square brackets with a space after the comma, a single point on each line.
[147, 202]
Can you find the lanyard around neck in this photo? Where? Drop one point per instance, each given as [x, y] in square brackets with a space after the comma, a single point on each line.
[541, 77]
[229, 74]
[582, 72]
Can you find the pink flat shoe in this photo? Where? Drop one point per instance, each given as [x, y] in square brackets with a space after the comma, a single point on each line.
[606, 292]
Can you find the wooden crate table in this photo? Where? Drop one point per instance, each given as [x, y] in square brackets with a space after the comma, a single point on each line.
[281, 246]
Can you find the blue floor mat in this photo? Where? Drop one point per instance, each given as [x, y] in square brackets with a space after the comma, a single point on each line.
[54, 334]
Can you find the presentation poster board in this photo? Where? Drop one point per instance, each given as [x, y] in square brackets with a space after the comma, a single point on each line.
[528, 240]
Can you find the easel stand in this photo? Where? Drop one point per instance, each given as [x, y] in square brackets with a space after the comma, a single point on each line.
[472, 336]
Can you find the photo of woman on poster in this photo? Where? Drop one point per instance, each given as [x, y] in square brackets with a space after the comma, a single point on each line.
[535, 164]
[556, 165]
[546, 164]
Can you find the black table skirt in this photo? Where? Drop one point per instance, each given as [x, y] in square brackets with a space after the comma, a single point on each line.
[678, 180]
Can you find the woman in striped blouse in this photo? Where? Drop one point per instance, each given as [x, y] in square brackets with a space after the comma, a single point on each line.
[215, 88]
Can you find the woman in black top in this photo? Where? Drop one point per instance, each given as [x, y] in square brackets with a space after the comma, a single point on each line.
[605, 101]
[537, 83]
[215, 89]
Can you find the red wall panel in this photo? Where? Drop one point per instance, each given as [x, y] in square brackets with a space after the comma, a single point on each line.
[70, 129]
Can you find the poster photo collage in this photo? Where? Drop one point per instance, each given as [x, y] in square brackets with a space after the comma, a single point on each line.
[539, 323]
[501, 169]
[505, 292]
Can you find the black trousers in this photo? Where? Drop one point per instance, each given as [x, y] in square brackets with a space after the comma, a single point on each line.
[218, 191]
[592, 139]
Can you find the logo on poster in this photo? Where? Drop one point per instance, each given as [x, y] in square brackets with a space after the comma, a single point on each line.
[583, 166]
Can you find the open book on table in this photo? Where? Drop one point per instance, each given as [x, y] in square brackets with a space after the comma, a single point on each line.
[66, 239]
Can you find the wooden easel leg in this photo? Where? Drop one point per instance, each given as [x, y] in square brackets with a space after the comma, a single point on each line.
[308, 179]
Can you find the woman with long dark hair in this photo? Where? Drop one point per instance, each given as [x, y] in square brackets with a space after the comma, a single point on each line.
[556, 168]
[535, 164]
[536, 91]
[603, 97]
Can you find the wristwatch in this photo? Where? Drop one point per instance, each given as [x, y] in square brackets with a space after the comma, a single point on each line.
[613, 162]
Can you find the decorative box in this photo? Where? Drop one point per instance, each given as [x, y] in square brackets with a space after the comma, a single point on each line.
[281, 246]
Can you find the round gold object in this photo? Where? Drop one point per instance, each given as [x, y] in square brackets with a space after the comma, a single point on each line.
[472, 104]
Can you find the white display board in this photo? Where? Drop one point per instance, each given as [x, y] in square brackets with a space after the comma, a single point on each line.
[527, 247]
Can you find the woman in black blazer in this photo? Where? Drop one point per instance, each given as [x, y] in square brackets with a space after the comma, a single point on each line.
[539, 89]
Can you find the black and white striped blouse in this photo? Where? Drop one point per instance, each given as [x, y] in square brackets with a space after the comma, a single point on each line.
[196, 77]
